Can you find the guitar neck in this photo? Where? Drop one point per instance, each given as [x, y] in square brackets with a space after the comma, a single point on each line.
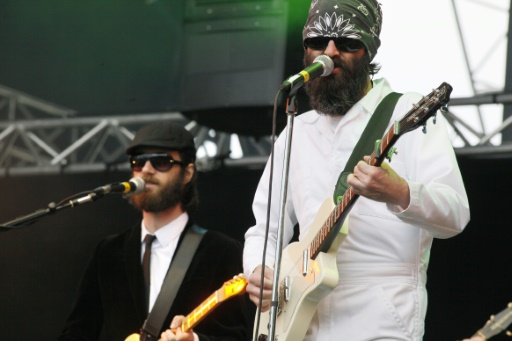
[200, 312]
[233, 287]
[497, 324]
[327, 233]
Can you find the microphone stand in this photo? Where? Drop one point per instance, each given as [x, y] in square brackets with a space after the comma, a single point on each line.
[52, 208]
[291, 111]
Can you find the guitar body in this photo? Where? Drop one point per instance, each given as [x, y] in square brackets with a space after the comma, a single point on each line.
[305, 291]
[133, 337]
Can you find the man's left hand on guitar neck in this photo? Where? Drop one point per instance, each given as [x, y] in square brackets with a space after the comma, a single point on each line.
[178, 334]
[381, 184]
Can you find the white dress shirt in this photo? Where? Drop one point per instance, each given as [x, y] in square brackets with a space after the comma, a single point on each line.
[162, 251]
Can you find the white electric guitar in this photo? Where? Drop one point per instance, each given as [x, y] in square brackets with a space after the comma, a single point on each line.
[308, 268]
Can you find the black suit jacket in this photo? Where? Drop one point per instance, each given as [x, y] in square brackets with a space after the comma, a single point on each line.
[111, 296]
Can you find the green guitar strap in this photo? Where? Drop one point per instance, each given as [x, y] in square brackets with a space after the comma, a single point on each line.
[374, 130]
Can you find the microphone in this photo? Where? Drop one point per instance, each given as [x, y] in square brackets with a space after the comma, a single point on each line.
[321, 66]
[134, 185]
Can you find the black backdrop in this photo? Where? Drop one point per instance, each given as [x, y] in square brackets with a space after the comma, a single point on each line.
[40, 265]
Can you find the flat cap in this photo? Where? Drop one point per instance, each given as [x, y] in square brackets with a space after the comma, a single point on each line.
[165, 135]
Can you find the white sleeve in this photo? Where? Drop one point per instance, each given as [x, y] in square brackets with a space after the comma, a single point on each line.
[255, 236]
[439, 203]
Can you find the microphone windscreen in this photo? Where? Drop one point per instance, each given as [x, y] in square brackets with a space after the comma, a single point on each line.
[327, 62]
[138, 184]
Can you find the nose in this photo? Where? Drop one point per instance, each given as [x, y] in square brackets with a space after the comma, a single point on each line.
[148, 167]
[331, 49]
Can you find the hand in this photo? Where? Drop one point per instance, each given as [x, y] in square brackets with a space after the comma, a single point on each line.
[381, 184]
[175, 333]
[253, 287]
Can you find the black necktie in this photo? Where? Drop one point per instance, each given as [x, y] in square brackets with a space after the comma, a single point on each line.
[146, 260]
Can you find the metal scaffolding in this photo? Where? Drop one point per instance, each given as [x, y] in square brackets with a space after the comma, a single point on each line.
[37, 137]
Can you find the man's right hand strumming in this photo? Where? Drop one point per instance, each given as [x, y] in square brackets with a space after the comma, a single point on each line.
[253, 288]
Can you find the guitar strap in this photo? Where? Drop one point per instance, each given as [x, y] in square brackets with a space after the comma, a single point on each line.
[151, 329]
[372, 132]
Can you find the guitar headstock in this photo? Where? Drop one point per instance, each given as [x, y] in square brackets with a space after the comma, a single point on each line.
[497, 323]
[233, 287]
[426, 108]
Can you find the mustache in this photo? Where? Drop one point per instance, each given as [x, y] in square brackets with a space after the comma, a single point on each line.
[340, 63]
[150, 180]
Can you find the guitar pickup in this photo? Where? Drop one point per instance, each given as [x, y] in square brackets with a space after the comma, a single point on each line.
[287, 288]
[305, 262]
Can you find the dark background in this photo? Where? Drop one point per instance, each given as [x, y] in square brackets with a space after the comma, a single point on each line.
[116, 57]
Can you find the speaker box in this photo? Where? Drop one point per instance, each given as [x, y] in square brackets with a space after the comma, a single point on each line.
[232, 63]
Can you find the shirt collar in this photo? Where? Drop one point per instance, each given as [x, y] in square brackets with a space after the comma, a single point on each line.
[381, 89]
[169, 232]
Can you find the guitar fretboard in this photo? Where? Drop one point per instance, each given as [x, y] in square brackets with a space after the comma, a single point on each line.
[319, 242]
[201, 311]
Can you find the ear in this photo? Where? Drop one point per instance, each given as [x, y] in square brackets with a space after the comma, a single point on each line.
[190, 169]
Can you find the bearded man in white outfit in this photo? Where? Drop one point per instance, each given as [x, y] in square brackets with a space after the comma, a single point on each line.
[403, 205]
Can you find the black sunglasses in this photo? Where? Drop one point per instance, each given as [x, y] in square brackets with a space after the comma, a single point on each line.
[342, 44]
[162, 162]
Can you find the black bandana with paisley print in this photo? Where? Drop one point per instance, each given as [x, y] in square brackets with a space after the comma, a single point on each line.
[354, 19]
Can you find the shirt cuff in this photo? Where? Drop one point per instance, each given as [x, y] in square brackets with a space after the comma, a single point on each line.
[413, 200]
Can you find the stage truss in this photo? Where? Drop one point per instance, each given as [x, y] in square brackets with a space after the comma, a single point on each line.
[37, 137]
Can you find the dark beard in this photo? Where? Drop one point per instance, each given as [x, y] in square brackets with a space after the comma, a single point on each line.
[168, 196]
[334, 95]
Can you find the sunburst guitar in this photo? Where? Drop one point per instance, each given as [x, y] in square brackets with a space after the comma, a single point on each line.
[308, 267]
[233, 287]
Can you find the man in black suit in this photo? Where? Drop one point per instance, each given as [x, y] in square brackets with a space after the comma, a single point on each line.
[113, 301]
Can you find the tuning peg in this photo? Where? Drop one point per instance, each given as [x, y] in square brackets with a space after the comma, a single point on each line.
[377, 148]
[424, 129]
[391, 152]
[434, 118]
[508, 333]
